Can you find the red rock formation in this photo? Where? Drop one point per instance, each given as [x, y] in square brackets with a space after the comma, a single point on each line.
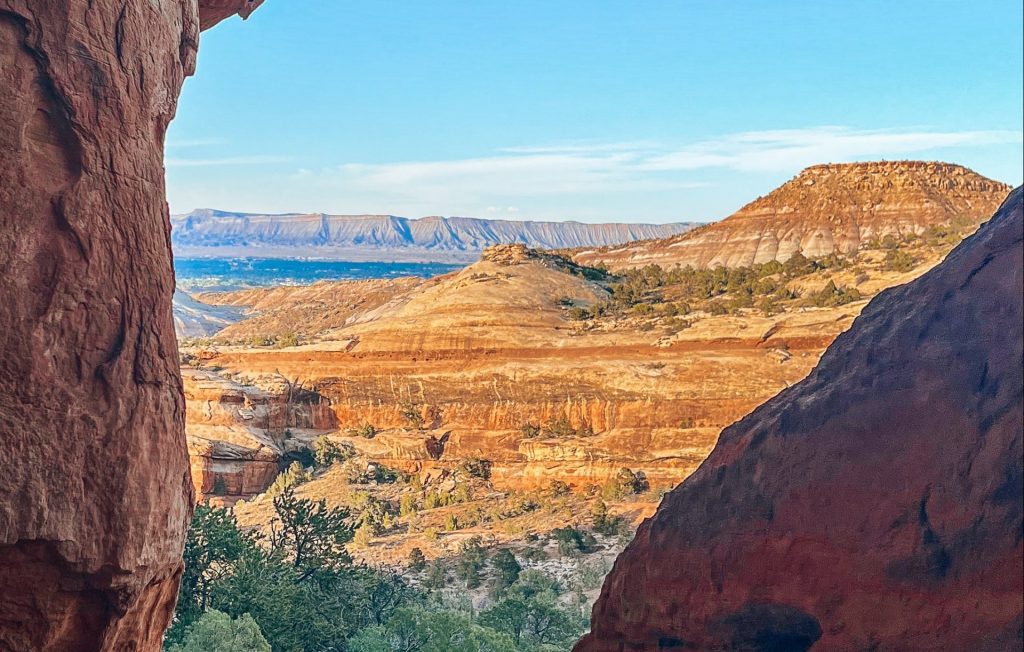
[876, 505]
[95, 494]
[212, 12]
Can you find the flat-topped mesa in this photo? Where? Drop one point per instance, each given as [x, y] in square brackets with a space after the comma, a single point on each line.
[928, 193]
[826, 209]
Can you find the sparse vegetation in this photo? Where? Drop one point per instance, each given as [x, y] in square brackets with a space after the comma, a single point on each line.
[625, 483]
[293, 476]
[470, 562]
[831, 295]
[366, 431]
[326, 451]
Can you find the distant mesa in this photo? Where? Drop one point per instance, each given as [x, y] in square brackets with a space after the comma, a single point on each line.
[830, 208]
[207, 232]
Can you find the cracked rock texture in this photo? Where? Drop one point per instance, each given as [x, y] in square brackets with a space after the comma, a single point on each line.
[876, 505]
[95, 495]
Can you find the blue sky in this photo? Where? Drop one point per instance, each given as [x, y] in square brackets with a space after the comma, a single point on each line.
[593, 110]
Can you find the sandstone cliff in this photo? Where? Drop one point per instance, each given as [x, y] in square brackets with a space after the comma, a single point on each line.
[240, 437]
[95, 496]
[875, 505]
[387, 237]
[825, 209]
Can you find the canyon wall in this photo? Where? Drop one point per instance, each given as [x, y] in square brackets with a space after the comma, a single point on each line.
[240, 437]
[876, 505]
[95, 499]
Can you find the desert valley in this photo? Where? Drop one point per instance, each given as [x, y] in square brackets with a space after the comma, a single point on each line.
[532, 390]
[631, 406]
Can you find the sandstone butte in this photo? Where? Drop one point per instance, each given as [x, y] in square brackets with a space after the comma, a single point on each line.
[826, 208]
[876, 505]
[96, 497]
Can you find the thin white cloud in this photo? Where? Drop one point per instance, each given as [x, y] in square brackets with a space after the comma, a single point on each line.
[581, 180]
[583, 148]
[194, 142]
[792, 149]
[599, 169]
[229, 160]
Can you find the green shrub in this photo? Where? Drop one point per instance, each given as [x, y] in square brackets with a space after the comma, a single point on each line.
[366, 431]
[831, 295]
[470, 562]
[604, 522]
[625, 483]
[572, 541]
[437, 576]
[899, 261]
[326, 452]
[417, 561]
[578, 313]
[530, 430]
[293, 476]
[407, 505]
[413, 414]
[286, 340]
[476, 467]
[215, 631]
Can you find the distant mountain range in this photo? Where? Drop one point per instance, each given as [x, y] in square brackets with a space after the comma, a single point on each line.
[207, 232]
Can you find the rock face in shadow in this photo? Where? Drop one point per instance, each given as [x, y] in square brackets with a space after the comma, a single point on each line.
[876, 505]
[95, 495]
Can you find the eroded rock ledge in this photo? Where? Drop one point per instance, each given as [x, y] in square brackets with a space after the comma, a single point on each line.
[95, 495]
[875, 505]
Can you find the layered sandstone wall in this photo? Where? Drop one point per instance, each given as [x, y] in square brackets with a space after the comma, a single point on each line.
[240, 437]
[875, 505]
[95, 497]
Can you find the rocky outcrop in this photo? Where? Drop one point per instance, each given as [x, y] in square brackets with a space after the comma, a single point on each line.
[832, 208]
[387, 237]
[95, 496]
[212, 12]
[876, 505]
[240, 437]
